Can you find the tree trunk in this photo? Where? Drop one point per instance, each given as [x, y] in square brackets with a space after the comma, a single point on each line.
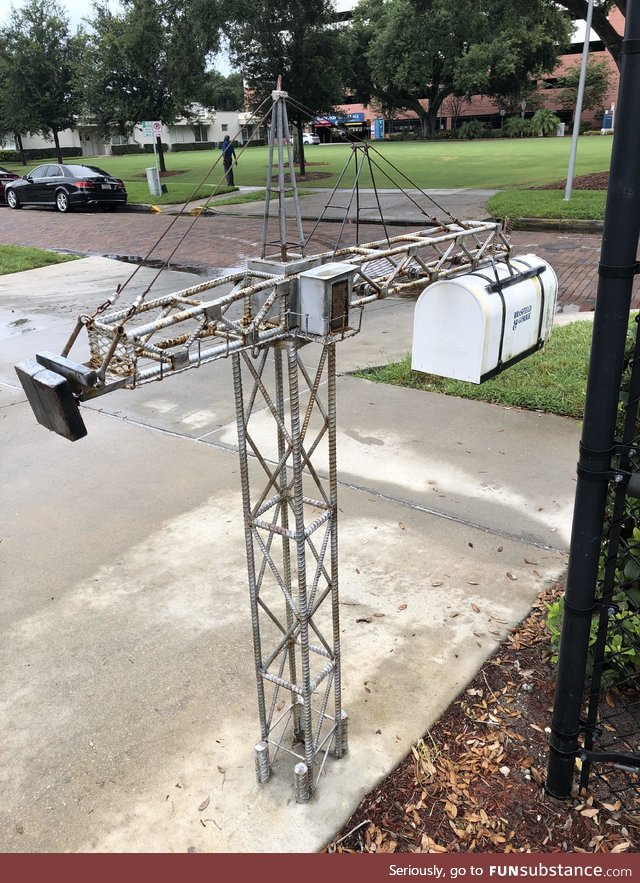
[163, 167]
[23, 154]
[56, 141]
[303, 164]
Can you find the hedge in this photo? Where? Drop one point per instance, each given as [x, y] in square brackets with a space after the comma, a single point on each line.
[194, 145]
[148, 148]
[124, 149]
[33, 153]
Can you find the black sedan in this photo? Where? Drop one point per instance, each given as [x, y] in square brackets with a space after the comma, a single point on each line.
[5, 177]
[66, 187]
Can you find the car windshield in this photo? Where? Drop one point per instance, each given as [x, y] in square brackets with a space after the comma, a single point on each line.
[87, 172]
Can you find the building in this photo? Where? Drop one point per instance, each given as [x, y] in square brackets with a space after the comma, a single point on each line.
[205, 126]
[454, 112]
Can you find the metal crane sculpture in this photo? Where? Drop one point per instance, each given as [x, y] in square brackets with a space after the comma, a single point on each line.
[284, 306]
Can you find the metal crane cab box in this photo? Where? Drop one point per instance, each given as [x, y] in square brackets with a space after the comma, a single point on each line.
[471, 327]
[324, 294]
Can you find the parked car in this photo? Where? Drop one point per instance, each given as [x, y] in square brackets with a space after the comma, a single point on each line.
[308, 138]
[66, 187]
[5, 177]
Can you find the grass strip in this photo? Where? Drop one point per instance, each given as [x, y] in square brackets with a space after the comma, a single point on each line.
[553, 380]
[16, 258]
[585, 205]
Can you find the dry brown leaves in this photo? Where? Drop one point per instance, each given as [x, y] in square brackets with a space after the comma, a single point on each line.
[474, 784]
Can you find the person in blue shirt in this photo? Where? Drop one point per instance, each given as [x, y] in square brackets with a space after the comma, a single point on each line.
[228, 158]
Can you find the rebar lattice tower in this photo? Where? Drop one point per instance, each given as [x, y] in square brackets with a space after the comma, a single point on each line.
[291, 536]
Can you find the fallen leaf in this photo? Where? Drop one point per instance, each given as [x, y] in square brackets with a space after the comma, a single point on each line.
[511, 575]
[378, 615]
[402, 606]
[589, 813]
[435, 585]
[280, 705]
[365, 619]
[204, 804]
[469, 583]
[475, 608]
[357, 571]
[528, 561]
[454, 613]
[402, 527]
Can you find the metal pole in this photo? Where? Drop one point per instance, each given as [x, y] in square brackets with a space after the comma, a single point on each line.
[579, 100]
[617, 270]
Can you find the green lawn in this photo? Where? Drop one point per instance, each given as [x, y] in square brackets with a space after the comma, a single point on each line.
[15, 258]
[583, 205]
[553, 380]
[497, 163]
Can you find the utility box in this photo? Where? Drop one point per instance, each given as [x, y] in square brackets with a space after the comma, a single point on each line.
[153, 181]
[324, 294]
[471, 327]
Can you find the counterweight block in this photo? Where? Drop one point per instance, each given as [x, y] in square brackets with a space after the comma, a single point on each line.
[51, 400]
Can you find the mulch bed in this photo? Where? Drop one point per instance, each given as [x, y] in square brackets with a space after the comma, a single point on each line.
[474, 782]
[594, 181]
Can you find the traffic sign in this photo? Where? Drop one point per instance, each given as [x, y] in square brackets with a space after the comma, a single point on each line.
[147, 130]
[156, 126]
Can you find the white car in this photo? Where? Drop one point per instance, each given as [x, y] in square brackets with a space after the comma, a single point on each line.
[308, 138]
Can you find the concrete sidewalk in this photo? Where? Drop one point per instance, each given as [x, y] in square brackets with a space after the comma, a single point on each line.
[126, 653]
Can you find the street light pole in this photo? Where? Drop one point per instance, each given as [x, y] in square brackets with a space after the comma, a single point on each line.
[579, 100]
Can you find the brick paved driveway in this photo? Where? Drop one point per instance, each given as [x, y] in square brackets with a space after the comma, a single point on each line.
[223, 241]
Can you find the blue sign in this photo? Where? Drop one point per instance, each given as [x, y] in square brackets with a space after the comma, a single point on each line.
[378, 129]
[607, 120]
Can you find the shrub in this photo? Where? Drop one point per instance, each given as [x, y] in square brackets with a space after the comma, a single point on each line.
[36, 153]
[124, 149]
[516, 127]
[622, 647]
[472, 129]
[148, 148]
[544, 121]
[194, 145]
[256, 142]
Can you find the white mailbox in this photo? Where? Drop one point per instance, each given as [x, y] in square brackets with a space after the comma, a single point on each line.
[324, 294]
[471, 327]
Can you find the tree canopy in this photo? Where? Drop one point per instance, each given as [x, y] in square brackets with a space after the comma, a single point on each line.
[296, 39]
[408, 50]
[38, 57]
[596, 85]
[147, 61]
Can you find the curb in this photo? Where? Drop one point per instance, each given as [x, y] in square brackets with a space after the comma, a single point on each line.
[145, 208]
[570, 225]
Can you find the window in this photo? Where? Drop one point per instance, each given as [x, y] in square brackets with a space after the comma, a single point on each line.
[225, 127]
[39, 172]
[119, 139]
[176, 134]
[201, 133]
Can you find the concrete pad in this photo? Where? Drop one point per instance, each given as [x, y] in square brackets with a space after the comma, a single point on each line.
[126, 658]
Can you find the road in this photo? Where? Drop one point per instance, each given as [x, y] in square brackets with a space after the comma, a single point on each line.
[211, 244]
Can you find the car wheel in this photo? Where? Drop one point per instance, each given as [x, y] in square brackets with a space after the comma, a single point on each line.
[62, 201]
[12, 200]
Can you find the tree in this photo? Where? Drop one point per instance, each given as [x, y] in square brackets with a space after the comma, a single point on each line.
[298, 40]
[418, 52]
[223, 93]
[596, 85]
[38, 60]
[601, 25]
[147, 61]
